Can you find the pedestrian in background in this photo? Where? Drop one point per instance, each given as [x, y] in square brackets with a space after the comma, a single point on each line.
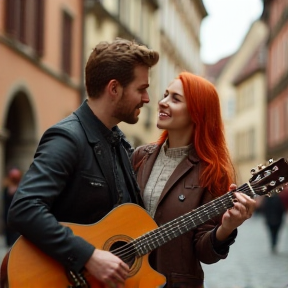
[11, 184]
[273, 210]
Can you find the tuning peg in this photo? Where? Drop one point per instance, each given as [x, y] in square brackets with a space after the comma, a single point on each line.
[270, 161]
[269, 194]
[261, 166]
[279, 190]
[267, 173]
[253, 171]
[272, 183]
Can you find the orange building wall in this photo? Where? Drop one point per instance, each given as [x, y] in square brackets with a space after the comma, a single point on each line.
[51, 99]
[53, 34]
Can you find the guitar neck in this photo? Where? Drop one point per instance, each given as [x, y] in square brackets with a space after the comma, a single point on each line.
[157, 237]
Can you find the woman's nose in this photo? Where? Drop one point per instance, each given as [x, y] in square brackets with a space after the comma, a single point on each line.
[163, 102]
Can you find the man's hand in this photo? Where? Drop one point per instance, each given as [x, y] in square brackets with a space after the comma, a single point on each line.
[242, 210]
[107, 268]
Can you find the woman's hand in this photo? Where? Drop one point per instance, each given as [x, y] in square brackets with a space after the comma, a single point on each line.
[242, 210]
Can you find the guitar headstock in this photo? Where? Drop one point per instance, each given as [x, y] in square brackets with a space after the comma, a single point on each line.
[270, 179]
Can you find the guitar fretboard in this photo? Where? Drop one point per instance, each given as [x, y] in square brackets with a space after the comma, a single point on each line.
[157, 237]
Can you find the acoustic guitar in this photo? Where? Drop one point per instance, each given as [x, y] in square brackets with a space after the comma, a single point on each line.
[130, 233]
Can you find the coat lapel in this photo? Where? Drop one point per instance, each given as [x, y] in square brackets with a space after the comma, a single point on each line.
[183, 167]
[152, 152]
[186, 165]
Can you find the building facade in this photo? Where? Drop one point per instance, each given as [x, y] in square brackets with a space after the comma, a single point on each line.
[275, 15]
[249, 123]
[133, 20]
[241, 84]
[180, 23]
[165, 26]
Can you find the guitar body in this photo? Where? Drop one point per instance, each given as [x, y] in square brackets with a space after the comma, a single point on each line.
[28, 267]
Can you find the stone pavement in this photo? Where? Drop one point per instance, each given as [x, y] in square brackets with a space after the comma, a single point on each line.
[250, 263]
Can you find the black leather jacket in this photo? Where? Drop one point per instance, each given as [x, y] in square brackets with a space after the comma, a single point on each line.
[70, 180]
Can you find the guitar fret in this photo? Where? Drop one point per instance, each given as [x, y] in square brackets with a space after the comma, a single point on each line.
[184, 223]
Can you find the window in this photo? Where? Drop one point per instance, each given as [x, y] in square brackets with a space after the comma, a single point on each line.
[246, 97]
[274, 125]
[67, 43]
[24, 22]
[246, 144]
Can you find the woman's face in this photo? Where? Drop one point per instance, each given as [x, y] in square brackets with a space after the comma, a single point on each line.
[172, 109]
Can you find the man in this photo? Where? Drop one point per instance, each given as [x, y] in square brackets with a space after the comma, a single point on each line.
[81, 169]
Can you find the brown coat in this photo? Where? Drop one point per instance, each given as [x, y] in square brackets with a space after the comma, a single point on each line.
[179, 259]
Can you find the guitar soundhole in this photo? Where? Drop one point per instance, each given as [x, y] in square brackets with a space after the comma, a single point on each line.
[125, 251]
[121, 246]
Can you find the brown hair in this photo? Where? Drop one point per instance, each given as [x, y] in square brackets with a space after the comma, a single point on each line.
[116, 60]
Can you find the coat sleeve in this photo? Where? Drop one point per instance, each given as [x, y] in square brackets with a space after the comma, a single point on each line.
[208, 249]
[54, 160]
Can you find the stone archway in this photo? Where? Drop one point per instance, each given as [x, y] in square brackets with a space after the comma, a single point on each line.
[21, 130]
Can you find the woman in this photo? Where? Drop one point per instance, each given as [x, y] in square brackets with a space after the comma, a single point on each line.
[189, 166]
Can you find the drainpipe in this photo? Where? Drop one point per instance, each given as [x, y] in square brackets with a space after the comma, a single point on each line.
[82, 81]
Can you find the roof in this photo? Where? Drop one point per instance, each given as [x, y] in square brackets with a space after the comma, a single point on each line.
[255, 63]
[213, 71]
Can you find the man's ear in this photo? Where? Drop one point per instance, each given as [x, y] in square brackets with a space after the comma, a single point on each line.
[113, 87]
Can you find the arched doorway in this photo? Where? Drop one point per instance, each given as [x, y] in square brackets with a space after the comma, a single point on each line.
[20, 126]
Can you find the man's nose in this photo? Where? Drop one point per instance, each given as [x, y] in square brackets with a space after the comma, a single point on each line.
[145, 98]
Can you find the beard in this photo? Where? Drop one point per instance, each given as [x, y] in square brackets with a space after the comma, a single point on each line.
[124, 112]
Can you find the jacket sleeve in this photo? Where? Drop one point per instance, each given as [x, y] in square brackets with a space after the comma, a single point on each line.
[30, 214]
[208, 249]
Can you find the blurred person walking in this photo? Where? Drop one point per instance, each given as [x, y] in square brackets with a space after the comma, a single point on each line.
[273, 210]
[11, 184]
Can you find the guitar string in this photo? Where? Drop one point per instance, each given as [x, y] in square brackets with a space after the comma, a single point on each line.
[167, 233]
[144, 239]
[152, 235]
[129, 249]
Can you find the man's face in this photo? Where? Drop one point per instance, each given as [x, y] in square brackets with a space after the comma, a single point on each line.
[133, 97]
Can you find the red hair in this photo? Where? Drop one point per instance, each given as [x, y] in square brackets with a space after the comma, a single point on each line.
[208, 133]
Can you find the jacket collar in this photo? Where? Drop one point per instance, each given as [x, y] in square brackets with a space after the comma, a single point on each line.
[90, 123]
[155, 148]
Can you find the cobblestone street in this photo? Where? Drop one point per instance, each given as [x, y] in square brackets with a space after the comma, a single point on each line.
[250, 263]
